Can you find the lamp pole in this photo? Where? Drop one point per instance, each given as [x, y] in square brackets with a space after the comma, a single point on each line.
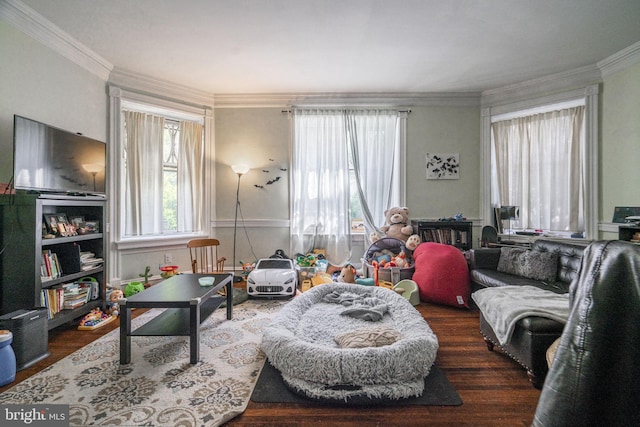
[239, 170]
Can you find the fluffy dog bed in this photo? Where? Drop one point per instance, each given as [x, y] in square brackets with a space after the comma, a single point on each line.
[301, 342]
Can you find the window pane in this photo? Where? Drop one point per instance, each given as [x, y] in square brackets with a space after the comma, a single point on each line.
[357, 223]
[170, 200]
[170, 177]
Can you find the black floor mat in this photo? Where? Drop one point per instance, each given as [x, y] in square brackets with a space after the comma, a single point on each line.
[438, 391]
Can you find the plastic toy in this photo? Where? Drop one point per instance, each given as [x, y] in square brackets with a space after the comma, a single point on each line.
[167, 271]
[347, 274]
[113, 307]
[321, 279]
[306, 285]
[146, 275]
[133, 288]
[96, 318]
[306, 260]
[412, 242]
[247, 267]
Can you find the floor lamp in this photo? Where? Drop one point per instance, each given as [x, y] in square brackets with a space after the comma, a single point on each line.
[240, 170]
[509, 212]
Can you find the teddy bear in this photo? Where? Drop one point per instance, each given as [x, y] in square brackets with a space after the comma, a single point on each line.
[347, 274]
[397, 223]
[412, 242]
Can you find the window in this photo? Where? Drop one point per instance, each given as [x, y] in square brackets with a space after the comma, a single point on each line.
[538, 163]
[346, 168]
[162, 173]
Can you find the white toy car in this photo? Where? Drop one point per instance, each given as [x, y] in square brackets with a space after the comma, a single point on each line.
[273, 277]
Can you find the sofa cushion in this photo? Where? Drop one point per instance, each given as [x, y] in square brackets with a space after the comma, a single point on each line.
[490, 278]
[531, 264]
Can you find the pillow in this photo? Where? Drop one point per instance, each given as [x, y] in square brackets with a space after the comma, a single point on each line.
[531, 264]
[512, 260]
[368, 337]
[442, 274]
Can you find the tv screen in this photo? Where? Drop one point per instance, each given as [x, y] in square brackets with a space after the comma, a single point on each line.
[47, 159]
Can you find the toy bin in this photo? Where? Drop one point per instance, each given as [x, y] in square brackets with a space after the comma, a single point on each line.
[393, 247]
[7, 358]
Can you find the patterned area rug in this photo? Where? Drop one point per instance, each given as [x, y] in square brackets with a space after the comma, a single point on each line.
[159, 386]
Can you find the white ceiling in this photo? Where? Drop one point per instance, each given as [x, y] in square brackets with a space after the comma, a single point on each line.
[347, 46]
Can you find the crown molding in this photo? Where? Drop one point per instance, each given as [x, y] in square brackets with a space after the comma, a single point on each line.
[283, 100]
[152, 86]
[620, 60]
[27, 20]
[566, 80]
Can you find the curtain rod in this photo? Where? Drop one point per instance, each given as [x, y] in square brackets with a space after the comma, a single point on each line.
[399, 111]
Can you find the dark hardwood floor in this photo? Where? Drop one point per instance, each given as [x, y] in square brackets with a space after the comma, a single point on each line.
[494, 389]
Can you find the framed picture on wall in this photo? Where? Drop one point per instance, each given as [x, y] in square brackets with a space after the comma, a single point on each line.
[443, 166]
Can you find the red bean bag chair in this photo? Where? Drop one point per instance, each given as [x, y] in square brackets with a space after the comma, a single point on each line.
[442, 274]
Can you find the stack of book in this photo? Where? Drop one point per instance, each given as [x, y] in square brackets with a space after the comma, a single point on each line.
[50, 267]
[89, 261]
[65, 297]
[75, 295]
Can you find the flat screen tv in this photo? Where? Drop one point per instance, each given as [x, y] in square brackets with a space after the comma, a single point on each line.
[52, 160]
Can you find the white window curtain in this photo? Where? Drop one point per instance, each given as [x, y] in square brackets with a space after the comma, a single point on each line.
[143, 176]
[375, 142]
[320, 185]
[323, 140]
[539, 165]
[190, 177]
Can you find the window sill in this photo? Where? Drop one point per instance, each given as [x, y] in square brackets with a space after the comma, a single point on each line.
[162, 241]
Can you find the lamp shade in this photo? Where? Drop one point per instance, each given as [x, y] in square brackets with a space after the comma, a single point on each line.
[509, 212]
[92, 168]
[240, 169]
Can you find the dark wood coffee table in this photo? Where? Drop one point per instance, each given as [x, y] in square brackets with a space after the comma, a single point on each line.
[188, 304]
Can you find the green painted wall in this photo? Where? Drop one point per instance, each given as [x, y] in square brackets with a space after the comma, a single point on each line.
[40, 84]
[620, 143]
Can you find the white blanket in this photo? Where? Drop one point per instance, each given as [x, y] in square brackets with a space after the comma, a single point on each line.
[503, 306]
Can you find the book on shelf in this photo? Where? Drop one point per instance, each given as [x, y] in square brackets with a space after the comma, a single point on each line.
[50, 267]
[53, 300]
[447, 236]
[67, 296]
[89, 261]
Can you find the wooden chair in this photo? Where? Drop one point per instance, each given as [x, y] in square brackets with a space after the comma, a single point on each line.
[204, 253]
[489, 237]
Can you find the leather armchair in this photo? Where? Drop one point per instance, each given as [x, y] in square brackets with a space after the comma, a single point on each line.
[595, 376]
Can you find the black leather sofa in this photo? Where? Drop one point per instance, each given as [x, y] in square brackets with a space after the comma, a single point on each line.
[593, 379]
[533, 335]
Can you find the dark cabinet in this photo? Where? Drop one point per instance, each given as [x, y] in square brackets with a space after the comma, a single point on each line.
[630, 233]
